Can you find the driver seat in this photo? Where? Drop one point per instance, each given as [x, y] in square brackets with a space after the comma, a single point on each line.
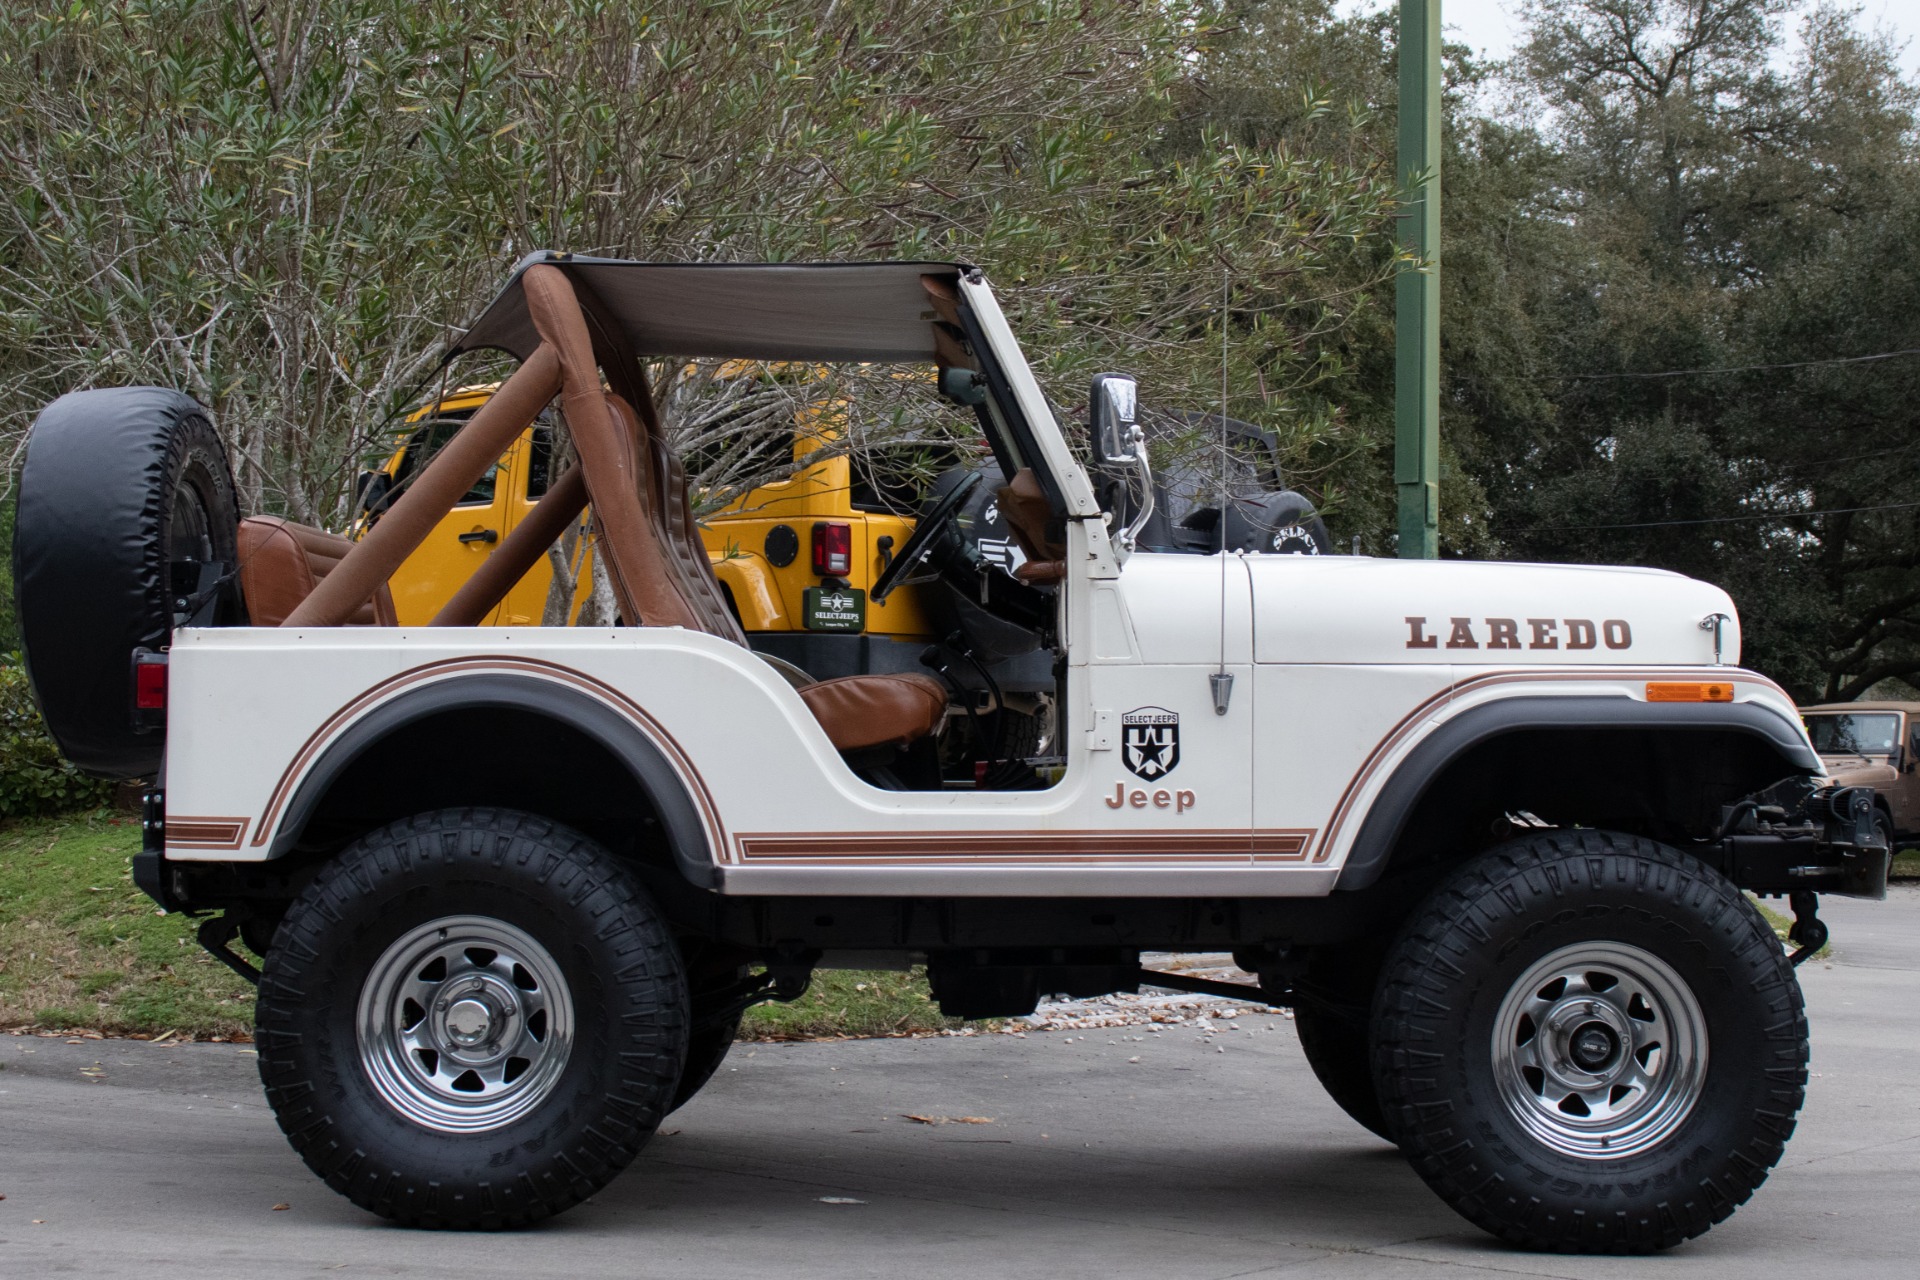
[857, 712]
[655, 561]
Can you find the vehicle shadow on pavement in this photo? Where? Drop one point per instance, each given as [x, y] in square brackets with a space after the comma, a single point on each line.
[1339, 1194]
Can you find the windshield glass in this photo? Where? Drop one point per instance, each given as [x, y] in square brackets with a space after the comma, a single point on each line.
[1855, 733]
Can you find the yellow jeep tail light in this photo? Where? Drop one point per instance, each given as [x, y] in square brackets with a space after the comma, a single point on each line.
[832, 549]
[1689, 691]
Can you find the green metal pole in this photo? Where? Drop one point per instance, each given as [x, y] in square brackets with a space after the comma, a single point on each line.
[1416, 389]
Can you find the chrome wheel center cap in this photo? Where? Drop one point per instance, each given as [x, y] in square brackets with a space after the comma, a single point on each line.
[468, 1022]
[1582, 1042]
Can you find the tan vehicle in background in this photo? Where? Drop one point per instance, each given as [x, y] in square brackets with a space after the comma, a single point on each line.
[1874, 744]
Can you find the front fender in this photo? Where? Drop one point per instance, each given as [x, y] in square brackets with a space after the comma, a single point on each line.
[1386, 818]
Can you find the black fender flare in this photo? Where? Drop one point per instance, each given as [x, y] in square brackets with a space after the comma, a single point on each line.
[626, 741]
[1387, 816]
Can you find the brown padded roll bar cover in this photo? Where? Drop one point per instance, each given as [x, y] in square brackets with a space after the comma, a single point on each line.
[1024, 505]
[946, 302]
[875, 711]
[683, 565]
[454, 470]
[511, 560]
[610, 465]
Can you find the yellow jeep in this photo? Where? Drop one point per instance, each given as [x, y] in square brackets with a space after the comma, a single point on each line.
[795, 556]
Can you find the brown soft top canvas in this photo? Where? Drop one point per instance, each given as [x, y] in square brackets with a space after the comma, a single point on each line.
[872, 311]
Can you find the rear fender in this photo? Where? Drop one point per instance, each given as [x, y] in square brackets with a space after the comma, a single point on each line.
[672, 797]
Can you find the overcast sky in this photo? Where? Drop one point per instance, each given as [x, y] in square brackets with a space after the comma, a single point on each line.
[1490, 25]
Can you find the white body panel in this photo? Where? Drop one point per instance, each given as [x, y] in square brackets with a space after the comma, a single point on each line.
[1263, 800]
[1339, 667]
[1344, 609]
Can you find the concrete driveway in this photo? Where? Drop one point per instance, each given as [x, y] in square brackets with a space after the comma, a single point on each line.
[1203, 1158]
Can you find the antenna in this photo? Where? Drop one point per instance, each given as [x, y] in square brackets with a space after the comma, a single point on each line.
[1222, 680]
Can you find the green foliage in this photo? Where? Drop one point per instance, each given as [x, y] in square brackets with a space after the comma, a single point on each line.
[80, 947]
[1689, 200]
[284, 209]
[34, 777]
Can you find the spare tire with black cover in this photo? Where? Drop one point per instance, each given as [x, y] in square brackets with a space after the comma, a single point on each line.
[126, 528]
[1283, 523]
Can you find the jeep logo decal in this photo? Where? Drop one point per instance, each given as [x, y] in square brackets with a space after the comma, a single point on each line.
[1504, 633]
[1150, 742]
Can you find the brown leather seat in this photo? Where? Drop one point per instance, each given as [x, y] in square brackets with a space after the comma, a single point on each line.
[876, 711]
[281, 563]
[856, 712]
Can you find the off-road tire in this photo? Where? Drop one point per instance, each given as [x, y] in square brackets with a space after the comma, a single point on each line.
[521, 875]
[1341, 1058]
[124, 493]
[1282, 523]
[712, 977]
[1333, 1015]
[706, 1050]
[1464, 957]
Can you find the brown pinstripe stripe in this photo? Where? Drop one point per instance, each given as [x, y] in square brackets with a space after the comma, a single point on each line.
[206, 833]
[689, 774]
[868, 848]
[1410, 722]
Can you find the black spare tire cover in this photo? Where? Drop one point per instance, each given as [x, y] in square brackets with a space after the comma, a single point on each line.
[1282, 523]
[125, 528]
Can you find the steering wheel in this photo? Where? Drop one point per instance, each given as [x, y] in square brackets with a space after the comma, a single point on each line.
[921, 542]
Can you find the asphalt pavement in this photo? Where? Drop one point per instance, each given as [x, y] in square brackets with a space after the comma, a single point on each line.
[1112, 1153]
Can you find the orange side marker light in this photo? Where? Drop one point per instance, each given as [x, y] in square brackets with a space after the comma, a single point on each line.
[1689, 691]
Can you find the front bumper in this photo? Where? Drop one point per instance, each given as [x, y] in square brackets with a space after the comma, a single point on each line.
[1796, 838]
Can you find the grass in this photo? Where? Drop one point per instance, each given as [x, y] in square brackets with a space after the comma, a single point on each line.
[1906, 865]
[848, 1002]
[81, 948]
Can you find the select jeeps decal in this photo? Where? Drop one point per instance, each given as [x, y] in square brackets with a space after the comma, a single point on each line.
[1294, 540]
[1505, 633]
[1150, 742]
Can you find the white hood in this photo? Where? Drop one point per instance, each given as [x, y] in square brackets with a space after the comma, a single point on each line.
[1342, 609]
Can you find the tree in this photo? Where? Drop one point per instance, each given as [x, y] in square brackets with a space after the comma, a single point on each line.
[285, 208]
[1704, 228]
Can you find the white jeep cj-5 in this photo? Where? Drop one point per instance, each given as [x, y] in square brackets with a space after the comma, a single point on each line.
[1484, 827]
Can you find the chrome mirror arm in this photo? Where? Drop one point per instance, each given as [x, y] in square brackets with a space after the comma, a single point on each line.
[1138, 439]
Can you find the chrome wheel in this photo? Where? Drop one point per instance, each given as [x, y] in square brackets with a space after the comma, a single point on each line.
[465, 1024]
[1599, 1050]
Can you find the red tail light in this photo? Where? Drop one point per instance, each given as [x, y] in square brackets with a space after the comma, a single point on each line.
[150, 682]
[832, 549]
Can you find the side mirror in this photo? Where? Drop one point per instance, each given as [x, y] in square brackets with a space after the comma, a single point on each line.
[1113, 419]
[1112, 413]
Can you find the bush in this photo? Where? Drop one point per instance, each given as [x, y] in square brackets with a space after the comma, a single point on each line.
[34, 777]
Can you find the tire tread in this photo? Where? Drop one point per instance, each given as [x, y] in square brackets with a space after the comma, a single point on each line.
[586, 879]
[1465, 914]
